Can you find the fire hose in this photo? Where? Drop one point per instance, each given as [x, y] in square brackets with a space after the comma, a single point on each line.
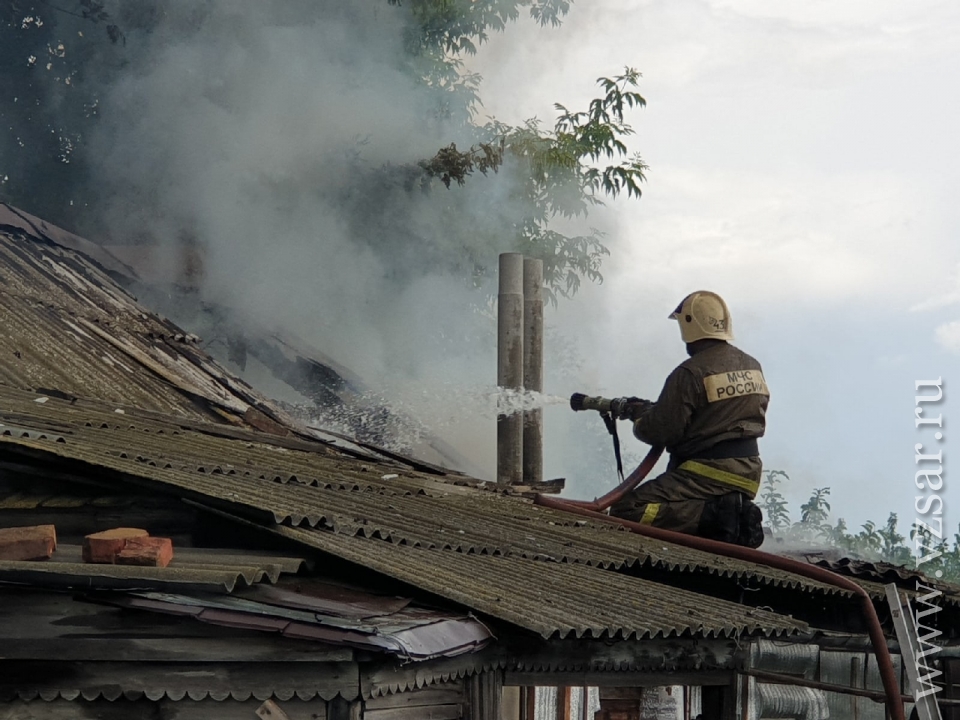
[594, 510]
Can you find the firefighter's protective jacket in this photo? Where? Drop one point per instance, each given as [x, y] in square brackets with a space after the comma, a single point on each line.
[716, 395]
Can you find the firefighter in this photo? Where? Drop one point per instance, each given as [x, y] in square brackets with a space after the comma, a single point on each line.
[709, 415]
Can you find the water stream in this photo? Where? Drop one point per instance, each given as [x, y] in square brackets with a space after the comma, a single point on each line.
[400, 417]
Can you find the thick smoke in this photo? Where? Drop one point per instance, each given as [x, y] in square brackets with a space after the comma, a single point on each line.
[237, 127]
[236, 134]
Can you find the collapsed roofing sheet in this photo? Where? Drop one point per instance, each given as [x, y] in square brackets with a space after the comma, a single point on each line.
[873, 575]
[883, 572]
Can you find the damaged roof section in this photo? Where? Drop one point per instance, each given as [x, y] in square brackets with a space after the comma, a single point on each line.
[68, 327]
[70, 331]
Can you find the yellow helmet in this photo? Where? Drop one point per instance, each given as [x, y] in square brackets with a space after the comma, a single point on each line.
[703, 315]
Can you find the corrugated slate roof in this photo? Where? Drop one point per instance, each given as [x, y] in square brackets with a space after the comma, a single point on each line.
[490, 552]
[554, 599]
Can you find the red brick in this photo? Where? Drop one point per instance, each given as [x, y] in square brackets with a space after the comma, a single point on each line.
[152, 551]
[102, 547]
[35, 542]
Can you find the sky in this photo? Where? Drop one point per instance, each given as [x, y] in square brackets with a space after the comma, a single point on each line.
[803, 165]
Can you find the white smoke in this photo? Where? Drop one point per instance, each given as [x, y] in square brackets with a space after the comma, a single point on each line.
[234, 127]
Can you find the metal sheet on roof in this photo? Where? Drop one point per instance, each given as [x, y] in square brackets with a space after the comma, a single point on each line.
[412, 633]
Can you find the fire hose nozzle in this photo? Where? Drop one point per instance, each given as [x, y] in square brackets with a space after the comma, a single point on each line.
[579, 401]
[617, 407]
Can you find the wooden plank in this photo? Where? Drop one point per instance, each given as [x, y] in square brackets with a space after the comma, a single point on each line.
[619, 692]
[420, 712]
[485, 696]
[529, 700]
[443, 694]
[563, 703]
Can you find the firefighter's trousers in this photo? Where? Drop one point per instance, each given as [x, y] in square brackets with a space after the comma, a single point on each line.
[676, 499]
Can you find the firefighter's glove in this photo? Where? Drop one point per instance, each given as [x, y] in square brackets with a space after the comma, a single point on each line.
[629, 408]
